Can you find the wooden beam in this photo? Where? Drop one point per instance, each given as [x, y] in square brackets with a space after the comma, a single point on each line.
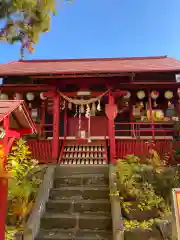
[20, 132]
[45, 87]
[26, 87]
[155, 83]
[151, 85]
[82, 75]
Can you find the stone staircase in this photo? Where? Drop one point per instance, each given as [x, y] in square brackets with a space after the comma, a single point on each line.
[78, 207]
[84, 153]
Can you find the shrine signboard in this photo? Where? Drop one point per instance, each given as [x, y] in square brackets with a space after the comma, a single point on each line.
[176, 203]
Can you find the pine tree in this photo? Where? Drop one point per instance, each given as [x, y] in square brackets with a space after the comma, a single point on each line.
[25, 20]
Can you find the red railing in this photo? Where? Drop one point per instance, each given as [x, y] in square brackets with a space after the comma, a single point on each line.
[135, 147]
[135, 128]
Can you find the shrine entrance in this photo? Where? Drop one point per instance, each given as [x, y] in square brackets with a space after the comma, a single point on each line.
[84, 114]
[85, 134]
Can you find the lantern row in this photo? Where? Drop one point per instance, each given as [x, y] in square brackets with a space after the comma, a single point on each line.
[154, 94]
[18, 96]
[140, 94]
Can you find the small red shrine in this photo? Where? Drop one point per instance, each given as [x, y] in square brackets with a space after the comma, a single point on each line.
[114, 105]
[15, 122]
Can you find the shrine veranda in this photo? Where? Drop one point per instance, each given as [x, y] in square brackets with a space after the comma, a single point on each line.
[118, 104]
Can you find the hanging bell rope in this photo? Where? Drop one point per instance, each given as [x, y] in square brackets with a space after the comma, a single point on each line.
[82, 101]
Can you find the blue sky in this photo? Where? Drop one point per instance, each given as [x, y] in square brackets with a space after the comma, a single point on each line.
[108, 28]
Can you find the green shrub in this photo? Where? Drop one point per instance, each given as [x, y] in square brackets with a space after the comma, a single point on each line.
[146, 187]
[23, 184]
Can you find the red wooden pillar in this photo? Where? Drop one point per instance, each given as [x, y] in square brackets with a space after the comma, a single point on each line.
[4, 186]
[42, 121]
[56, 122]
[3, 206]
[151, 115]
[65, 121]
[111, 112]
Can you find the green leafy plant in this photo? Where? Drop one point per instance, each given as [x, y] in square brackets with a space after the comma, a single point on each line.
[134, 224]
[25, 178]
[10, 232]
[140, 191]
[24, 21]
[163, 181]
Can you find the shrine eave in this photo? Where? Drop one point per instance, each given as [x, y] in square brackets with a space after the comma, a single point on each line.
[21, 116]
[89, 67]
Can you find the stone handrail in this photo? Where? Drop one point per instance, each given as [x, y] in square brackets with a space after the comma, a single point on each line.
[33, 223]
[117, 222]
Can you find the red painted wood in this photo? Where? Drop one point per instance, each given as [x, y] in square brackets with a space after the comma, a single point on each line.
[50, 94]
[111, 113]
[150, 109]
[41, 150]
[3, 206]
[27, 87]
[25, 131]
[99, 126]
[139, 147]
[4, 185]
[65, 133]
[13, 133]
[5, 139]
[56, 122]
[9, 145]
[135, 129]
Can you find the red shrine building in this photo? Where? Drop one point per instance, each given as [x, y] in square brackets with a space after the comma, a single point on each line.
[94, 111]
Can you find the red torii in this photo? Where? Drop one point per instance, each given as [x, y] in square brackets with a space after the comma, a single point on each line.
[15, 121]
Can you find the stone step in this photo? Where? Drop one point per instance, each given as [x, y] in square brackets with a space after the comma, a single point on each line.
[78, 193]
[74, 234]
[74, 206]
[69, 170]
[81, 179]
[80, 221]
